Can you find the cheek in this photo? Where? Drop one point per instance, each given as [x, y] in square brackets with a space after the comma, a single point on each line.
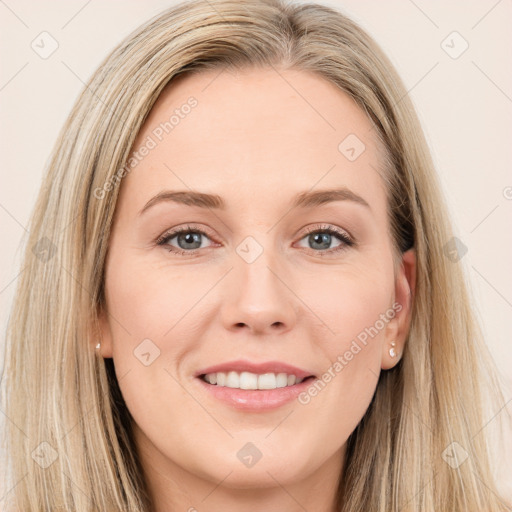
[148, 301]
[145, 304]
[356, 308]
[352, 303]
[147, 307]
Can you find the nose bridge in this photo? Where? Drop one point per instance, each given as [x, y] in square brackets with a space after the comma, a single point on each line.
[256, 258]
[258, 296]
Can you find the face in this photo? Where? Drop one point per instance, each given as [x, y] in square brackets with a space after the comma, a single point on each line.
[270, 277]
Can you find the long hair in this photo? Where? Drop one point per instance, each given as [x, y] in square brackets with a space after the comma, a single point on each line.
[68, 434]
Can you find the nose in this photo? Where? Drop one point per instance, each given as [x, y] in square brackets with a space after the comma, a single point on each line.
[258, 298]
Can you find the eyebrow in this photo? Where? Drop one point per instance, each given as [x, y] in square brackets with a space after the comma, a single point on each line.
[213, 201]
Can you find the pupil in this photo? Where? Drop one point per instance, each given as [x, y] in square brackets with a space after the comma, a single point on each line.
[190, 238]
[323, 239]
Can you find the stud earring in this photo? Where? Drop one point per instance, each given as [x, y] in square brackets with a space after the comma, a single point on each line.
[392, 351]
[98, 346]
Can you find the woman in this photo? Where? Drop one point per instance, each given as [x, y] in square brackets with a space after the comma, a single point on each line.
[314, 349]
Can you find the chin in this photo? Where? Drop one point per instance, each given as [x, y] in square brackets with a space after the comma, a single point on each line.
[260, 477]
[256, 473]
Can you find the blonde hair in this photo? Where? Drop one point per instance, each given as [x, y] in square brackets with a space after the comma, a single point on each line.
[59, 392]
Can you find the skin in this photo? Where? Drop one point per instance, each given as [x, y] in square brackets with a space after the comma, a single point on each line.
[256, 138]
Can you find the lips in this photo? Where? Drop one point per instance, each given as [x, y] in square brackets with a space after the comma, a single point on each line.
[257, 368]
[253, 387]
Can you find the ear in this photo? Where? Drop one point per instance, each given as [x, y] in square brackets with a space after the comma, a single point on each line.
[397, 328]
[105, 340]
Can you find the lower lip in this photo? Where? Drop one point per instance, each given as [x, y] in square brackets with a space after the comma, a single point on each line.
[256, 399]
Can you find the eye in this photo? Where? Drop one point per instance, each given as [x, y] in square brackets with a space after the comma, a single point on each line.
[321, 237]
[188, 240]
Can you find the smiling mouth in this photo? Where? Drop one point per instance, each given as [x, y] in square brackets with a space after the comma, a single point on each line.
[252, 381]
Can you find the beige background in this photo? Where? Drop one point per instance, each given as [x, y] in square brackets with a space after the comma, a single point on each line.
[464, 103]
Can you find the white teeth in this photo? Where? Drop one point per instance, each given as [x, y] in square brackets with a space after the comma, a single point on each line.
[248, 380]
[232, 380]
[221, 379]
[267, 381]
[281, 380]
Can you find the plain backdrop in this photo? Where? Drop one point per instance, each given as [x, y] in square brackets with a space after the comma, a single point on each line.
[455, 59]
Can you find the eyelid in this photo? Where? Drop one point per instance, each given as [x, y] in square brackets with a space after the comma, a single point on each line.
[347, 240]
[334, 229]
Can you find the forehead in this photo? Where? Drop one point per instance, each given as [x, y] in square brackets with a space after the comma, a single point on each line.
[259, 131]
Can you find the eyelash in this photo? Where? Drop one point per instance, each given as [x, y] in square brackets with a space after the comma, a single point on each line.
[346, 240]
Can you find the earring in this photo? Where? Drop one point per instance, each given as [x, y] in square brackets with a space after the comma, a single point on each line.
[392, 351]
[98, 346]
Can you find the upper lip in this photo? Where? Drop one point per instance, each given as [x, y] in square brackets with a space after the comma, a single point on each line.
[241, 365]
